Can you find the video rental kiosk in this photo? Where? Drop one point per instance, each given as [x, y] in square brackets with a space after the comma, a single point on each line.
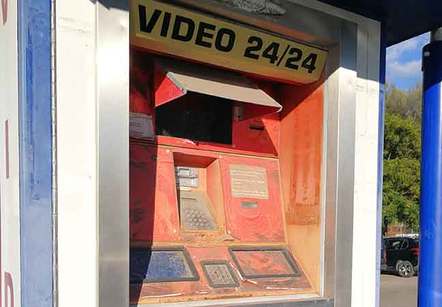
[192, 153]
[195, 153]
[225, 158]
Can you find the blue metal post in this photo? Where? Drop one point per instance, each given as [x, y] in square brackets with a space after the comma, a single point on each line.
[430, 270]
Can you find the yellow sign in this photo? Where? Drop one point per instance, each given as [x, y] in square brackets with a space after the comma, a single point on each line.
[168, 29]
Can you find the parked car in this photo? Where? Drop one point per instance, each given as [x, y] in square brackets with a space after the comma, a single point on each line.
[400, 255]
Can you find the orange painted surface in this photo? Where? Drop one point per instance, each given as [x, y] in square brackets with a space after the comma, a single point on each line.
[165, 89]
[257, 134]
[155, 221]
[262, 222]
[154, 205]
[153, 200]
[302, 128]
[215, 148]
[284, 211]
[301, 162]
[200, 289]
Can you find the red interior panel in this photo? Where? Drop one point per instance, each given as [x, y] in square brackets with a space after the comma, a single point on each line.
[153, 200]
[165, 89]
[262, 133]
[252, 192]
[257, 133]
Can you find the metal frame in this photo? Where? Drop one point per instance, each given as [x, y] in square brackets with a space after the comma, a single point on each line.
[113, 151]
[337, 30]
[300, 301]
[340, 148]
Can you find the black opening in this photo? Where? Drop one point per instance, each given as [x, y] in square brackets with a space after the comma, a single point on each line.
[196, 117]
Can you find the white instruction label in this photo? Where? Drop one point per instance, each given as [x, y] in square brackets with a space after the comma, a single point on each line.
[141, 126]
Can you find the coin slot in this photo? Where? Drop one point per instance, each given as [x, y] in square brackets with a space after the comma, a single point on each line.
[249, 204]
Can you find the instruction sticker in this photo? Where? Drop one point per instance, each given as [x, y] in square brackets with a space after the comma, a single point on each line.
[165, 28]
[141, 126]
[248, 182]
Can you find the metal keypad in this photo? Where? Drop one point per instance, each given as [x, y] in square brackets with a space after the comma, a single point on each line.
[219, 274]
[195, 215]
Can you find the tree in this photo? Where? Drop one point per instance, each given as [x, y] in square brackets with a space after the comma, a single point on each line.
[402, 142]
[401, 192]
[404, 103]
[402, 137]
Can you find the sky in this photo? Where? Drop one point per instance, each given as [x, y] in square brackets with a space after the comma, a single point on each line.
[404, 62]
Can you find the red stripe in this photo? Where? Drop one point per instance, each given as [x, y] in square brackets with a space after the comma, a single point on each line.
[5, 10]
[9, 294]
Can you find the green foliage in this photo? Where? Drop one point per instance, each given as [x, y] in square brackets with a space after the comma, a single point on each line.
[405, 103]
[402, 137]
[402, 152]
[401, 191]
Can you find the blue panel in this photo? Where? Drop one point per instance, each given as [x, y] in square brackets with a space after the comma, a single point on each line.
[34, 24]
[430, 262]
[160, 266]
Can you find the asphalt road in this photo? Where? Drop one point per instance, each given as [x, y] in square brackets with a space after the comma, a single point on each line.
[398, 292]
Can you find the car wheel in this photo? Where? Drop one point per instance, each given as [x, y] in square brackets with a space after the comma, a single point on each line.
[404, 268]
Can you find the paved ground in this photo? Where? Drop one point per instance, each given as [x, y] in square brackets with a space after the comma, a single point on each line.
[398, 292]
